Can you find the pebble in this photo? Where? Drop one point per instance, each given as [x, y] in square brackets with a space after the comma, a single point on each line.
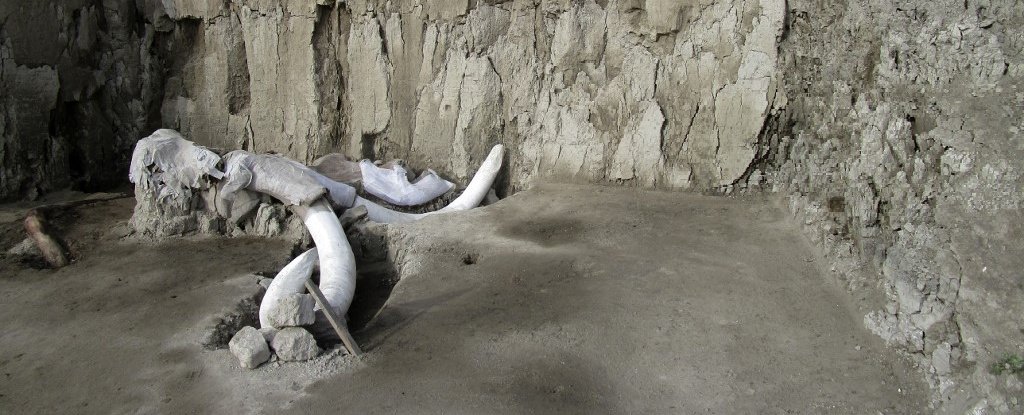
[292, 310]
[249, 347]
[295, 344]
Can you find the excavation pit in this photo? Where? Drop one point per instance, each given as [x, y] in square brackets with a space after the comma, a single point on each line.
[649, 302]
[376, 277]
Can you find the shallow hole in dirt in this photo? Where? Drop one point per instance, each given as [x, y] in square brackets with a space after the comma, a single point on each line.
[545, 231]
[245, 313]
[376, 276]
[375, 279]
[372, 293]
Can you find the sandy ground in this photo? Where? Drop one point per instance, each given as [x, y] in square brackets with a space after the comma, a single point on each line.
[561, 299]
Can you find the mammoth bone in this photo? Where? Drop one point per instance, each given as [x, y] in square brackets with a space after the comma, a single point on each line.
[393, 186]
[338, 291]
[172, 165]
[307, 194]
[475, 192]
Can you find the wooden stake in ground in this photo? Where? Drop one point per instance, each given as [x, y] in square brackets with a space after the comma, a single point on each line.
[339, 328]
[53, 251]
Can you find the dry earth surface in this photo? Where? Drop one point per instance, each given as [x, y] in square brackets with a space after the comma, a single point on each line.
[560, 299]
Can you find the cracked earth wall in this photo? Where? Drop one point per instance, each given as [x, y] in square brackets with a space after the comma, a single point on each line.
[661, 94]
[902, 155]
[77, 88]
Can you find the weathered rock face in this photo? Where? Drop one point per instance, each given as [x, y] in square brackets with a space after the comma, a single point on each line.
[648, 93]
[903, 157]
[654, 94]
[77, 86]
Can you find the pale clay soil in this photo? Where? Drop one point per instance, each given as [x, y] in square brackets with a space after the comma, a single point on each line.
[560, 299]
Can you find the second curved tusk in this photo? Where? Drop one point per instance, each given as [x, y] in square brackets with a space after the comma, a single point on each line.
[475, 192]
[337, 263]
[291, 279]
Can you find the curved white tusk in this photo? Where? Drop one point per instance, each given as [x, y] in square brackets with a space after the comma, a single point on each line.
[337, 263]
[291, 279]
[340, 194]
[482, 181]
[475, 192]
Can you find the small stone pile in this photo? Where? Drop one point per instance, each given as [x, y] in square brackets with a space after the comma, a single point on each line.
[285, 337]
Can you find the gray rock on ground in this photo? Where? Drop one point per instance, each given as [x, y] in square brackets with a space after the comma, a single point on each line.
[24, 248]
[295, 344]
[269, 333]
[292, 310]
[249, 347]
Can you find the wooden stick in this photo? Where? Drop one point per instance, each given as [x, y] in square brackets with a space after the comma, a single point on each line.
[341, 329]
[92, 198]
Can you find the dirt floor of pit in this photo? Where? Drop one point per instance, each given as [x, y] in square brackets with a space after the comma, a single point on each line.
[561, 299]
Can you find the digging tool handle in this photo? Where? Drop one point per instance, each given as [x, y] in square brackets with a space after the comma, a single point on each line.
[342, 330]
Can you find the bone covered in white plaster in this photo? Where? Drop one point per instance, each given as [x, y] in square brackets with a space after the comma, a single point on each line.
[475, 192]
[393, 186]
[337, 262]
[290, 280]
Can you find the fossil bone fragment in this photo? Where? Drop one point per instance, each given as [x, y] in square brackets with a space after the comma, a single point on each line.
[287, 180]
[290, 279]
[337, 263]
[168, 162]
[475, 192]
[300, 187]
[339, 168]
[337, 290]
[53, 251]
[393, 186]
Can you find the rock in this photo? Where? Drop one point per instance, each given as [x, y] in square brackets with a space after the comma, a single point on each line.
[265, 282]
[944, 209]
[295, 344]
[269, 220]
[352, 215]
[941, 359]
[269, 333]
[292, 310]
[249, 346]
[24, 248]
[648, 108]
